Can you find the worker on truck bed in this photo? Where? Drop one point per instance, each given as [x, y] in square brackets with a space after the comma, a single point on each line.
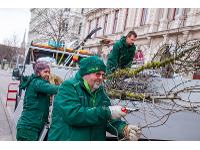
[36, 102]
[82, 110]
[122, 53]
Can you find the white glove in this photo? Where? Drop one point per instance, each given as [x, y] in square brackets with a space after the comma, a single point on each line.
[116, 112]
[132, 132]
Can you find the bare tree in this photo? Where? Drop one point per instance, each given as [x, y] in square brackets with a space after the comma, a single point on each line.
[56, 24]
[10, 48]
[12, 41]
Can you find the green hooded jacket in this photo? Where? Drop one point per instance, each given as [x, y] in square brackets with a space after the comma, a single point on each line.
[36, 102]
[79, 115]
[121, 56]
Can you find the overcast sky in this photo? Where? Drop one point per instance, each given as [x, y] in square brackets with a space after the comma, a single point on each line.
[14, 20]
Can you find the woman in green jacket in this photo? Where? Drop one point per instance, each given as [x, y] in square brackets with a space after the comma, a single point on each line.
[82, 110]
[36, 102]
[122, 53]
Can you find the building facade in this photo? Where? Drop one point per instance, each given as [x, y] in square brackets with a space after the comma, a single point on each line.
[73, 25]
[155, 27]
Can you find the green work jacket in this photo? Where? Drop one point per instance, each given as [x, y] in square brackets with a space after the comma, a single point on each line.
[36, 102]
[79, 115]
[121, 56]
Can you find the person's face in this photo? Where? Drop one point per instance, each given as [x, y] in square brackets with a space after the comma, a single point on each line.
[44, 74]
[95, 79]
[130, 40]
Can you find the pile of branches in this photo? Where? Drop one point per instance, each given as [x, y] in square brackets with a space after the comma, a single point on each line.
[137, 88]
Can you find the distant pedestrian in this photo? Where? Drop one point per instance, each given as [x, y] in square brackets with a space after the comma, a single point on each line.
[36, 102]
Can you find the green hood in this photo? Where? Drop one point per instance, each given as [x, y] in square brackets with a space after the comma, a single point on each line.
[26, 80]
[123, 40]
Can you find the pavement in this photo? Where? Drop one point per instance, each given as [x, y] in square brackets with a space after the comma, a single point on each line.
[6, 113]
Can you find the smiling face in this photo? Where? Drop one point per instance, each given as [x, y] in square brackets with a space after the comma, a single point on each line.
[94, 79]
[44, 74]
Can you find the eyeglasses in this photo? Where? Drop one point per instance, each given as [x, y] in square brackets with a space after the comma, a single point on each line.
[98, 74]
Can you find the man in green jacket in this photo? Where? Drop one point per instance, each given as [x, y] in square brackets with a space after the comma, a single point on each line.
[82, 110]
[122, 53]
[36, 102]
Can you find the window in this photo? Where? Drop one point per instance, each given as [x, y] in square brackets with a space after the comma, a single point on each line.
[175, 13]
[63, 43]
[186, 11]
[115, 21]
[144, 16]
[172, 12]
[160, 15]
[89, 26]
[105, 24]
[97, 24]
[82, 10]
[67, 9]
[65, 25]
[126, 19]
[79, 30]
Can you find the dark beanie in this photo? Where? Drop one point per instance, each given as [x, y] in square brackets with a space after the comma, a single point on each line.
[39, 66]
[91, 64]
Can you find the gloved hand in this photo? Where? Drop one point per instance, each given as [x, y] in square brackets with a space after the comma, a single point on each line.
[132, 132]
[116, 112]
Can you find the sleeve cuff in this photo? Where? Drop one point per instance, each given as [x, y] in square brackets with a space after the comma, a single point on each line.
[107, 113]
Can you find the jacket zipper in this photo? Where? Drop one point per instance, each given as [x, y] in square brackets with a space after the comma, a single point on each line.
[95, 96]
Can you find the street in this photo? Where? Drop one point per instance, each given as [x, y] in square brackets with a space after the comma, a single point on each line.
[6, 113]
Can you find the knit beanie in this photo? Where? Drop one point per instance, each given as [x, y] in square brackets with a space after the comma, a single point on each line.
[39, 66]
[91, 64]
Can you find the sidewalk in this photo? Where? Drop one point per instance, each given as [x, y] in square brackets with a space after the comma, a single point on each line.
[6, 113]
[5, 126]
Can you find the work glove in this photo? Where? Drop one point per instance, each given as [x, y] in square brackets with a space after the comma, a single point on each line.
[116, 112]
[132, 132]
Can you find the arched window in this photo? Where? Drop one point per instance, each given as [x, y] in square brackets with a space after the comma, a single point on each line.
[65, 25]
[168, 70]
[197, 72]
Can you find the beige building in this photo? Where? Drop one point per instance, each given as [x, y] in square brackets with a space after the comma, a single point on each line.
[155, 27]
